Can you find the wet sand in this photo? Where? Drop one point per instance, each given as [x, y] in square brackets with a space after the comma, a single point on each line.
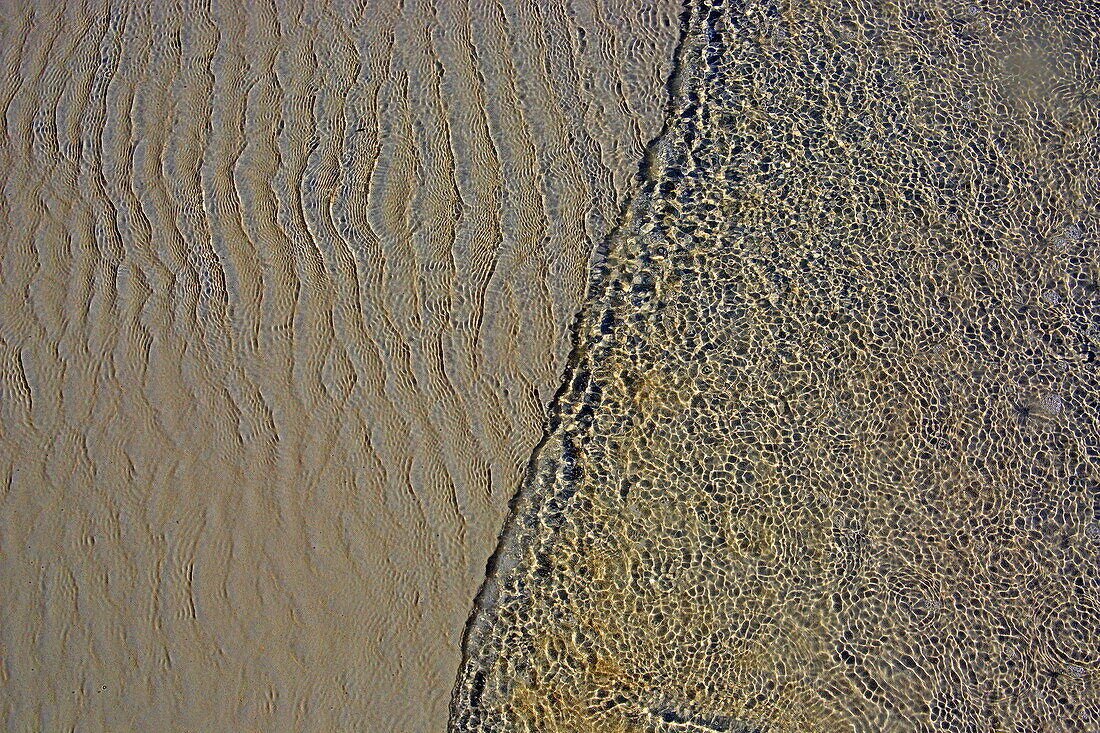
[286, 289]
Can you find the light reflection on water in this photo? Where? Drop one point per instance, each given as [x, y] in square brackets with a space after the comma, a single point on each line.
[829, 454]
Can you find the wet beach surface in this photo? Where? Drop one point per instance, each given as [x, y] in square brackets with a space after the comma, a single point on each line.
[285, 289]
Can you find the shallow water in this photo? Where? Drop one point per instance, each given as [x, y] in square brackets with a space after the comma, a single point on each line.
[827, 454]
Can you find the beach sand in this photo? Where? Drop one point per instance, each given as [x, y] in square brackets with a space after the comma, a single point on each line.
[286, 289]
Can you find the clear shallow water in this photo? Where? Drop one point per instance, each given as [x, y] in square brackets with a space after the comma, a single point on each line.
[827, 456]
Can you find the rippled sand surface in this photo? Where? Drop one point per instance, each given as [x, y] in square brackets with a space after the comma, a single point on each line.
[827, 456]
[285, 290]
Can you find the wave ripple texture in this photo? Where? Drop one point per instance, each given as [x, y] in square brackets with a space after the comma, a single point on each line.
[285, 288]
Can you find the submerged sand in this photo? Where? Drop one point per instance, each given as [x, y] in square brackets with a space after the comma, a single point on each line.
[827, 455]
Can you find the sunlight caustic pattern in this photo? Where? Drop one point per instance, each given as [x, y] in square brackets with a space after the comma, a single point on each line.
[827, 456]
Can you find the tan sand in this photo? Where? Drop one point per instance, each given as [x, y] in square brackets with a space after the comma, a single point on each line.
[286, 289]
